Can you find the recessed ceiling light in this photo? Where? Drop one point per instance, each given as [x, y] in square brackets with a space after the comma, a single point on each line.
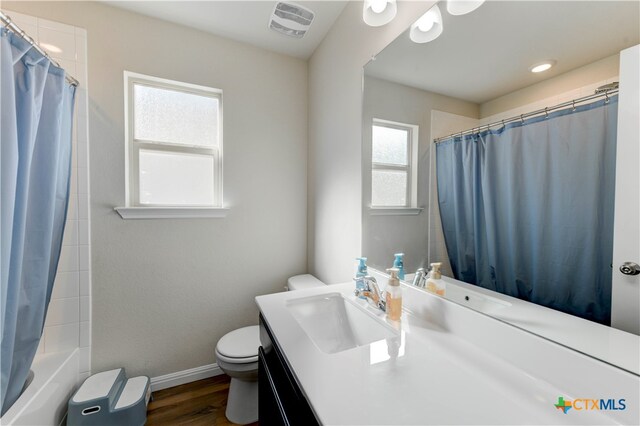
[542, 66]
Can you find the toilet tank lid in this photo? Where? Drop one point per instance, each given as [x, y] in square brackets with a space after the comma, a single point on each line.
[240, 343]
[303, 281]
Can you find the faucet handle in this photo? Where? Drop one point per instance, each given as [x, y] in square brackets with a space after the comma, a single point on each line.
[419, 278]
[371, 292]
[382, 304]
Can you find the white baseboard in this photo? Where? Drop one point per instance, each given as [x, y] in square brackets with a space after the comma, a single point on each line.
[185, 376]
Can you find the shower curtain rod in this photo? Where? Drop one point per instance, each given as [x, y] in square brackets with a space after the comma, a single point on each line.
[12, 26]
[604, 91]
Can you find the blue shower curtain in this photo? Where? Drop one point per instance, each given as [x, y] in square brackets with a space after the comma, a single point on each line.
[36, 121]
[527, 210]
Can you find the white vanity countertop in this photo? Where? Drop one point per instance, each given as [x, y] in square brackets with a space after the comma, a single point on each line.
[611, 345]
[437, 376]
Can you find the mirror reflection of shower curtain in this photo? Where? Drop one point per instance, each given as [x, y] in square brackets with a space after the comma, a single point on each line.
[36, 122]
[527, 210]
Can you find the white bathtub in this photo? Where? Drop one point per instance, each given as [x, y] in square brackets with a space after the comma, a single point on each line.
[44, 401]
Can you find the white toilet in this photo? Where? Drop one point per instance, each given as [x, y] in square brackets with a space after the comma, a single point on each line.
[237, 356]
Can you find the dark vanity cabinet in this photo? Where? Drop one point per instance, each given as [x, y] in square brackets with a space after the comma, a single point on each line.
[280, 400]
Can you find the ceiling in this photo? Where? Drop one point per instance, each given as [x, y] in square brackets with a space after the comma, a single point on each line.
[246, 21]
[488, 53]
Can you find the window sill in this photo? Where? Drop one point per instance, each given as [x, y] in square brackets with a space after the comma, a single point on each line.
[171, 212]
[395, 211]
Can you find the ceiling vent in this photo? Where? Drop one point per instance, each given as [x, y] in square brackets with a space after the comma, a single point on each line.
[291, 20]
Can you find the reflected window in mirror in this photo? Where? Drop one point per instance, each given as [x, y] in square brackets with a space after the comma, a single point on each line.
[393, 168]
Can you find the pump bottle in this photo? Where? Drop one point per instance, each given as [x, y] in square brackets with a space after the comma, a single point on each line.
[361, 272]
[393, 296]
[435, 284]
[398, 263]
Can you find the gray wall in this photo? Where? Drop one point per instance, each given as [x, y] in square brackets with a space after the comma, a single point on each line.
[164, 291]
[382, 236]
[335, 136]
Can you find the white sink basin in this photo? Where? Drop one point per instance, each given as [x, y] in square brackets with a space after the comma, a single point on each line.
[335, 324]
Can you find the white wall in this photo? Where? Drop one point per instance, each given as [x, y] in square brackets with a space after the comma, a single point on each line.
[68, 321]
[335, 136]
[384, 235]
[164, 291]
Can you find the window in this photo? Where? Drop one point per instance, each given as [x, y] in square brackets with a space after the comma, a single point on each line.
[174, 143]
[393, 172]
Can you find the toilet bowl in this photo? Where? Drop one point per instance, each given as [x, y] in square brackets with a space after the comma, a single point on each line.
[237, 355]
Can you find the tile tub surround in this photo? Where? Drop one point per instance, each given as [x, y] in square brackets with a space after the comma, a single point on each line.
[454, 366]
[68, 322]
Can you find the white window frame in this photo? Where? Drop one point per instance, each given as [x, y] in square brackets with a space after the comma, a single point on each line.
[411, 168]
[133, 147]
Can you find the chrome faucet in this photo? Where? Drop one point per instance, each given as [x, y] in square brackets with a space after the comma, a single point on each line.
[420, 279]
[371, 292]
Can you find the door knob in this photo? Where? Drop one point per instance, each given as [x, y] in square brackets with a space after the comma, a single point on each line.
[630, 268]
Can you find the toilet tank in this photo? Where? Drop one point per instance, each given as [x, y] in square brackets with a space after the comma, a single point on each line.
[300, 282]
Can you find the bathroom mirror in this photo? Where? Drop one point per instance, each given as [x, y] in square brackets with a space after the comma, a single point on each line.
[478, 72]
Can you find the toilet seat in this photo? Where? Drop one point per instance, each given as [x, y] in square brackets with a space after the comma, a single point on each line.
[232, 360]
[239, 346]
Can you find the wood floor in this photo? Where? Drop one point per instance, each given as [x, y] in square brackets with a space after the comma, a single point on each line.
[197, 403]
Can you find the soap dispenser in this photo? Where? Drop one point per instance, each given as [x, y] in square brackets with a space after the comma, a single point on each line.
[361, 272]
[435, 284]
[398, 263]
[393, 295]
